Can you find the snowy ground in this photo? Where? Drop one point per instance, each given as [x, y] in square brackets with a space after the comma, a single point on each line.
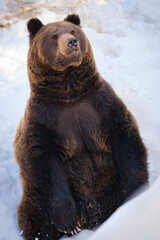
[125, 36]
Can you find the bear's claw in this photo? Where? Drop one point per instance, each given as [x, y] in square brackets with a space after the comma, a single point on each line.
[76, 230]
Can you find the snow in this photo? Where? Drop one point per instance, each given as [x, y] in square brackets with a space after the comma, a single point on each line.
[125, 39]
[137, 219]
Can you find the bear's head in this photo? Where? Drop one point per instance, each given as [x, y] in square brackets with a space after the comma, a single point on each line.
[60, 57]
[58, 44]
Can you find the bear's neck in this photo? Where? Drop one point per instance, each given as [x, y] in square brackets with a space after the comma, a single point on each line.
[64, 86]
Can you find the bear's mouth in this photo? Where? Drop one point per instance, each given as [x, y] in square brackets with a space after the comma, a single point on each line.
[74, 50]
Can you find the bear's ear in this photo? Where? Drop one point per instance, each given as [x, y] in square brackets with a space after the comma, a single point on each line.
[34, 26]
[73, 18]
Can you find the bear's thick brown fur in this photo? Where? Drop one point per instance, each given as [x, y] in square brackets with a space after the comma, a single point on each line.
[78, 147]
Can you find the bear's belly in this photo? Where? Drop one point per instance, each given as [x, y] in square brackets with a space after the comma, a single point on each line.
[90, 175]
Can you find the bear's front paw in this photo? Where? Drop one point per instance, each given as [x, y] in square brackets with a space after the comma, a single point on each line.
[64, 217]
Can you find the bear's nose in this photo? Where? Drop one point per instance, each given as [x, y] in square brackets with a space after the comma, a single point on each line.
[72, 43]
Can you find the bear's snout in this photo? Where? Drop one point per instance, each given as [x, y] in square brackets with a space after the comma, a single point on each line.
[72, 43]
[68, 44]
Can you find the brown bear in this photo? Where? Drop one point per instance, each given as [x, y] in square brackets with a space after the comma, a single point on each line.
[78, 147]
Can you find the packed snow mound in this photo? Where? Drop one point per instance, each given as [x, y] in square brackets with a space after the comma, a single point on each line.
[125, 37]
[137, 219]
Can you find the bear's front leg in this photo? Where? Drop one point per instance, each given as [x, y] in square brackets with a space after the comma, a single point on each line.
[45, 213]
[34, 220]
[47, 208]
[61, 207]
[129, 152]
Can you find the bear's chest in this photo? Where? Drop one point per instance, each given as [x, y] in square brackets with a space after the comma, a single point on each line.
[80, 130]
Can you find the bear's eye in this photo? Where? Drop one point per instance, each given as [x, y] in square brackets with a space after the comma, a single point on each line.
[55, 36]
[72, 32]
